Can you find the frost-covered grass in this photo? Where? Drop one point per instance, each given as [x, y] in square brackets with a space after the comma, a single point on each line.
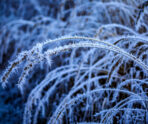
[83, 61]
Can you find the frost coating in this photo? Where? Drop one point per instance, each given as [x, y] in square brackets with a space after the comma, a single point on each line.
[84, 60]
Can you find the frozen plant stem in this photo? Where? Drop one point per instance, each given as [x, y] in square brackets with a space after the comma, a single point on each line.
[96, 45]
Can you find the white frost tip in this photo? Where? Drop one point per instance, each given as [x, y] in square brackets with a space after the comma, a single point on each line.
[4, 84]
[20, 86]
[48, 58]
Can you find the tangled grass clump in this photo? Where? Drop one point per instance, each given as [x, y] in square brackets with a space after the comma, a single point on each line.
[97, 72]
[82, 80]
